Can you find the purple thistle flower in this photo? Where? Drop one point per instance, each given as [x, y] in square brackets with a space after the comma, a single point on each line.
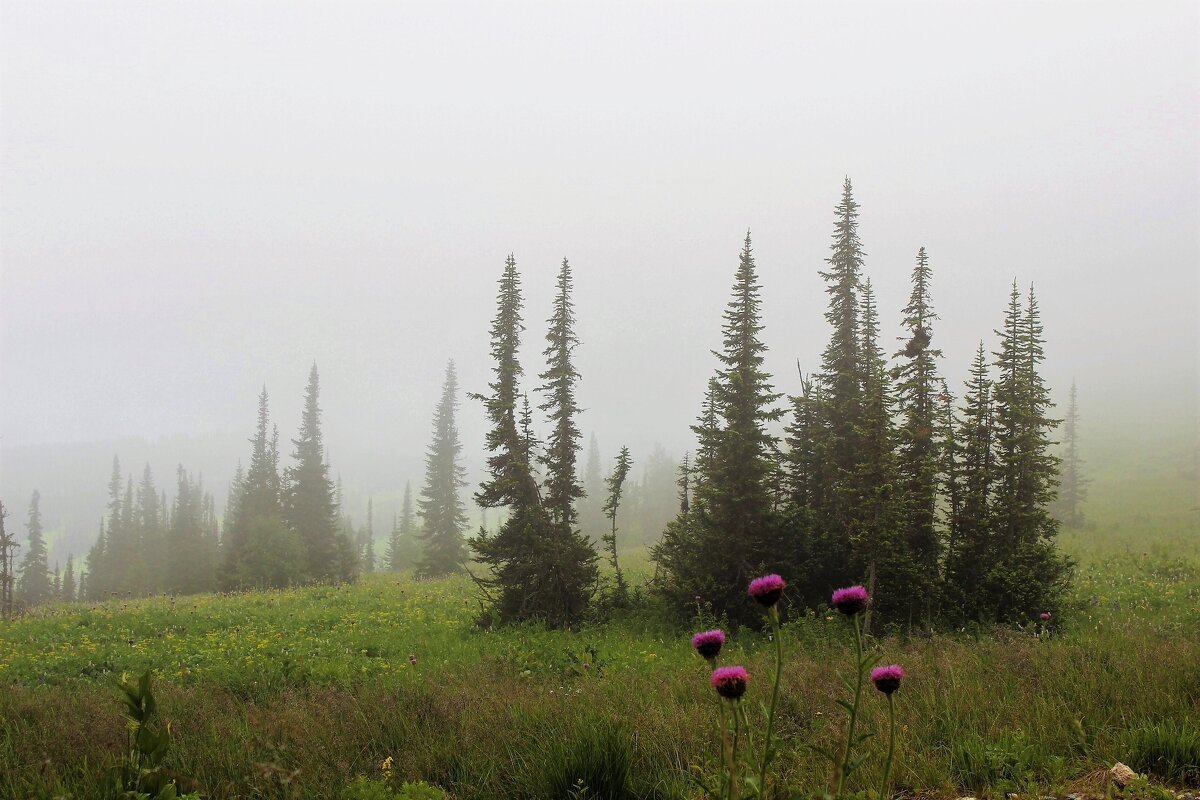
[1045, 616]
[730, 682]
[850, 600]
[708, 643]
[767, 590]
[887, 679]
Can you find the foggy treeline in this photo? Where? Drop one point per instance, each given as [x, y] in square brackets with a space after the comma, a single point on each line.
[153, 538]
[874, 472]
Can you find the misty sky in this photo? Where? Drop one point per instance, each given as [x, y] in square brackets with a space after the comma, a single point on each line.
[198, 198]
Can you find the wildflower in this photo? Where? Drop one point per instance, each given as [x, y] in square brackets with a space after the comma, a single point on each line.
[767, 589]
[730, 682]
[708, 643]
[850, 600]
[887, 679]
[1045, 616]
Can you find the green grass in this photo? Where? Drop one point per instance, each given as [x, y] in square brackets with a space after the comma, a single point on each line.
[295, 693]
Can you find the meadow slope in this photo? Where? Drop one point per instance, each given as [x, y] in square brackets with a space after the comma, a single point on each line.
[294, 693]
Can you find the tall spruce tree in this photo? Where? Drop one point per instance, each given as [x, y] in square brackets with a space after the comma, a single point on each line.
[112, 549]
[192, 554]
[615, 483]
[129, 566]
[562, 487]
[837, 521]
[91, 586]
[33, 575]
[591, 514]
[366, 549]
[260, 549]
[880, 552]
[732, 532]
[510, 480]
[918, 461]
[537, 569]
[68, 580]
[1073, 490]
[150, 552]
[970, 548]
[443, 514]
[950, 473]
[347, 559]
[309, 507]
[1026, 573]
[402, 552]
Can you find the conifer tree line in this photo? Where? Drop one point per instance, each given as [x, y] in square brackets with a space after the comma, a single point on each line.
[872, 472]
[282, 526]
[940, 509]
[148, 545]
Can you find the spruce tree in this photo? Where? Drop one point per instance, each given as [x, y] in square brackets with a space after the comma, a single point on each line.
[309, 506]
[68, 580]
[260, 549]
[8, 572]
[402, 551]
[443, 515]
[806, 479]
[150, 553]
[562, 488]
[1073, 490]
[880, 552]
[129, 567]
[211, 527]
[92, 585]
[837, 521]
[970, 547]
[33, 575]
[950, 475]
[192, 561]
[917, 458]
[367, 546]
[347, 559]
[591, 516]
[112, 548]
[511, 478]
[1026, 573]
[732, 532]
[537, 569]
[615, 483]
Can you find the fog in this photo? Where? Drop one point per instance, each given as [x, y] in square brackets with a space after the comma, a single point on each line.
[197, 199]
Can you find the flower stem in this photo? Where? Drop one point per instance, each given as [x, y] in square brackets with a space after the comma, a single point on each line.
[887, 765]
[858, 655]
[733, 784]
[726, 753]
[773, 616]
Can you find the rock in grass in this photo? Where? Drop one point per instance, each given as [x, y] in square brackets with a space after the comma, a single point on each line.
[1121, 773]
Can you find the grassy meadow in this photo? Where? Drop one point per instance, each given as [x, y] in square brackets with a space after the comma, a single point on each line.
[295, 694]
